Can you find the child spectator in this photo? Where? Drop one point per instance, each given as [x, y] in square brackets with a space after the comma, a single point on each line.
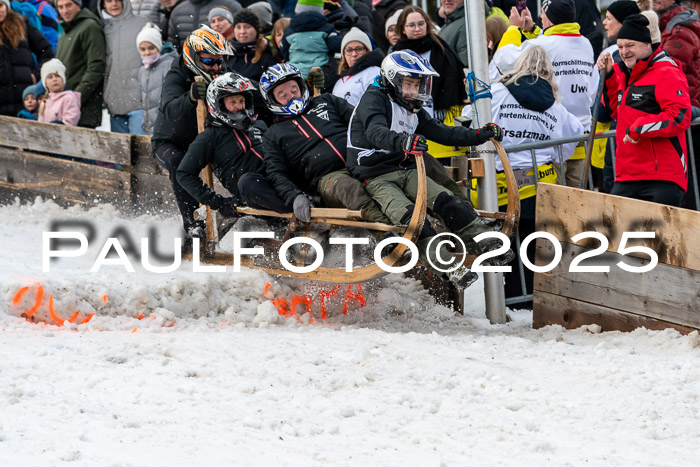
[31, 105]
[62, 107]
[157, 58]
[309, 39]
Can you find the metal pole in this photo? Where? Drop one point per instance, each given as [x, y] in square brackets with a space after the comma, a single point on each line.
[481, 109]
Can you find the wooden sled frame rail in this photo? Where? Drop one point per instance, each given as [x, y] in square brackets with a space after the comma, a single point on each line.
[341, 217]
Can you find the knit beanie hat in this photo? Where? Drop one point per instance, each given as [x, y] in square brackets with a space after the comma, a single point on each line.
[653, 25]
[221, 11]
[53, 66]
[635, 28]
[79, 3]
[150, 33]
[309, 5]
[355, 34]
[331, 5]
[392, 21]
[622, 9]
[29, 89]
[7, 4]
[248, 17]
[263, 10]
[560, 11]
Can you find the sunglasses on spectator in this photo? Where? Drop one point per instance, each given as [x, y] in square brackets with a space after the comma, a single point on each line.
[212, 61]
[356, 50]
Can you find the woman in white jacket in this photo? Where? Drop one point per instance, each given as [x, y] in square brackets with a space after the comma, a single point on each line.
[358, 67]
[524, 104]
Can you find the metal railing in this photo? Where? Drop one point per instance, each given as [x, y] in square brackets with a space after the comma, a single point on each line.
[527, 297]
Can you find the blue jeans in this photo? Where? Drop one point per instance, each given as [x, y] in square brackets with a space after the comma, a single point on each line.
[129, 123]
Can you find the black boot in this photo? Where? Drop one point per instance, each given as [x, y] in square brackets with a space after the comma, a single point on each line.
[475, 228]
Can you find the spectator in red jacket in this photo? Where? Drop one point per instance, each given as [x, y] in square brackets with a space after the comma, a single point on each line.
[649, 97]
[680, 37]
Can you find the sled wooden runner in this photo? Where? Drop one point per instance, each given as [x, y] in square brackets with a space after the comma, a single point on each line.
[343, 217]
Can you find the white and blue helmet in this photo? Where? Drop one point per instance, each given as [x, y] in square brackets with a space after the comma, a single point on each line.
[402, 64]
[276, 75]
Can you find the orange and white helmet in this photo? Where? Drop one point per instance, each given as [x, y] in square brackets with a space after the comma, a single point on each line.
[204, 39]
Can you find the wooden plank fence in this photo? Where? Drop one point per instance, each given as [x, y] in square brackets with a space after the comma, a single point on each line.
[78, 165]
[666, 296]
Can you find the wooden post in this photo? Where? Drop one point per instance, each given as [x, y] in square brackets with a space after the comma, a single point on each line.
[207, 177]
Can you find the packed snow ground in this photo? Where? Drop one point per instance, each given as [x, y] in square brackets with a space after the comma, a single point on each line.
[212, 374]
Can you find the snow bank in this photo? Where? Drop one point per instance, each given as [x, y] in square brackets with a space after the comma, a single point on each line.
[200, 368]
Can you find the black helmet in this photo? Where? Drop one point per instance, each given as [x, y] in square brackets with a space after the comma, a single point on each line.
[231, 84]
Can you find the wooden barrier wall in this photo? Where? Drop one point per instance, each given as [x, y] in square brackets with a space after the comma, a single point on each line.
[666, 296]
[79, 165]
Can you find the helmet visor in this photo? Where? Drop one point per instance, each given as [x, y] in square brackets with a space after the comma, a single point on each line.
[414, 88]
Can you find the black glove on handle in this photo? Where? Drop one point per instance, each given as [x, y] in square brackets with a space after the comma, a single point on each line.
[488, 131]
[414, 143]
[198, 90]
[228, 208]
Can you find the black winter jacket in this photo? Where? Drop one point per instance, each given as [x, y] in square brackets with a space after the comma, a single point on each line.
[17, 67]
[231, 154]
[242, 60]
[176, 122]
[300, 150]
[377, 131]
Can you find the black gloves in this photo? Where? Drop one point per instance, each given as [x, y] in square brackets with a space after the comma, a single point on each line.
[414, 143]
[198, 90]
[316, 79]
[488, 131]
[228, 208]
[302, 208]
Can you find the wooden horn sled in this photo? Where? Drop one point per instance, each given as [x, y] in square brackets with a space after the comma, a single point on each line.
[328, 218]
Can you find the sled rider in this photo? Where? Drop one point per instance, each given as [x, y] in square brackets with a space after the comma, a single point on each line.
[388, 127]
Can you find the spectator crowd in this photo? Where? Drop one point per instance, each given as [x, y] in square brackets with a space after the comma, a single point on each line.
[315, 101]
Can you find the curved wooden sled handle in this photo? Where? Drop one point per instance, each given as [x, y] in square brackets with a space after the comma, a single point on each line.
[510, 224]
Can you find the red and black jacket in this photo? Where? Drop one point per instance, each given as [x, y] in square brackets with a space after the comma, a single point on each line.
[231, 153]
[651, 103]
[300, 150]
